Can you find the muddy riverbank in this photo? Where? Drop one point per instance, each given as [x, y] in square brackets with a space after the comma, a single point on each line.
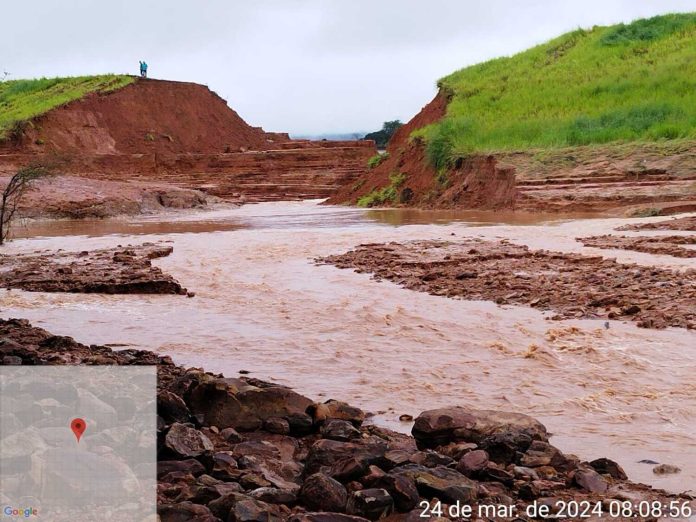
[262, 305]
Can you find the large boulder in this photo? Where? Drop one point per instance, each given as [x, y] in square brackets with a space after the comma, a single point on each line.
[323, 493]
[233, 403]
[185, 441]
[438, 427]
[446, 484]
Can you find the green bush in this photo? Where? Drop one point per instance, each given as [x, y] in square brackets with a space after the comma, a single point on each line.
[376, 160]
[388, 194]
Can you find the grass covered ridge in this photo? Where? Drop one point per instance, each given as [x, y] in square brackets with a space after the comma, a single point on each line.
[23, 100]
[629, 82]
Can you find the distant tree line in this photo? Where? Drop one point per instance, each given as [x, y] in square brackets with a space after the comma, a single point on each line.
[382, 136]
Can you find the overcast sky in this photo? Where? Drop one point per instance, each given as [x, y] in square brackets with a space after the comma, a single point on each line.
[303, 66]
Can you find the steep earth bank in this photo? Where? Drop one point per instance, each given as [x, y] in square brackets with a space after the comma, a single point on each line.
[243, 449]
[658, 177]
[183, 135]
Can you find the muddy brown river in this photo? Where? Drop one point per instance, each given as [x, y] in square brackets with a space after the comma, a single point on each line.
[262, 305]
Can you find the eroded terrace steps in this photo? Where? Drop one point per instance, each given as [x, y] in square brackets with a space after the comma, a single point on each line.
[598, 191]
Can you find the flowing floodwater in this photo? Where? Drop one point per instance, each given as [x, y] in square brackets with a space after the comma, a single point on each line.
[262, 305]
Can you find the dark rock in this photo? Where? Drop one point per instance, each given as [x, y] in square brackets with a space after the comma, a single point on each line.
[444, 483]
[191, 466]
[171, 407]
[231, 435]
[372, 504]
[393, 458]
[542, 454]
[11, 360]
[606, 466]
[325, 453]
[332, 409]
[350, 468]
[234, 403]
[322, 493]
[225, 466]
[589, 480]
[275, 495]
[402, 489]
[505, 447]
[666, 469]
[336, 429]
[325, 517]
[276, 425]
[472, 464]
[434, 428]
[539, 488]
[251, 510]
[185, 441]
[300, 423]
[430, 459]
[185, 512]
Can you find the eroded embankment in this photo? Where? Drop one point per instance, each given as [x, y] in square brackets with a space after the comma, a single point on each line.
[178, 135]
[244, 449]
[634, 177]
[120, 270]
[570, 285]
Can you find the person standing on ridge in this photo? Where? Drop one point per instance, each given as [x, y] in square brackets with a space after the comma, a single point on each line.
[143, 70]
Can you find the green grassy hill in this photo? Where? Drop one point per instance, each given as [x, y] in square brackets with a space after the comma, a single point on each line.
[624, 83]
[22, 100]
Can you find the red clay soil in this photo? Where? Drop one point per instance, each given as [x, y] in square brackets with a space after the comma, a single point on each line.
[145, 116]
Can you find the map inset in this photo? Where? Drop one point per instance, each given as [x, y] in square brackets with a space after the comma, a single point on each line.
[78, 443]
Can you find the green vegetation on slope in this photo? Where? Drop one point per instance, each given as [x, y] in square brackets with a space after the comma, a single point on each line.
[634, 82]
[384, 195]
[22, 100]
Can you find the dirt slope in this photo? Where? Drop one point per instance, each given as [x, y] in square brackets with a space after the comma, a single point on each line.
[146, 116]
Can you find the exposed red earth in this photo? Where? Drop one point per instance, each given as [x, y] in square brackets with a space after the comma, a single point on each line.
[181, 135]
[624, 178]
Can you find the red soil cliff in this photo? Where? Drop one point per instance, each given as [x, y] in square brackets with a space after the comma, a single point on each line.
[186, 135]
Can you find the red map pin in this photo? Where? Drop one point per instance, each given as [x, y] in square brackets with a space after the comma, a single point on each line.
[78, 427]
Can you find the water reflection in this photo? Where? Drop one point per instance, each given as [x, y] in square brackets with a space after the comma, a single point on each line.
[265, 216]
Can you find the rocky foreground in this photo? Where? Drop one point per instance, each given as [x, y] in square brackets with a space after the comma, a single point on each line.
[570, 285]
[239, 449]
[119, 270]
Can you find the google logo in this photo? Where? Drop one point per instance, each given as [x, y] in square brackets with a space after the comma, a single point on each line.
[25, 512]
